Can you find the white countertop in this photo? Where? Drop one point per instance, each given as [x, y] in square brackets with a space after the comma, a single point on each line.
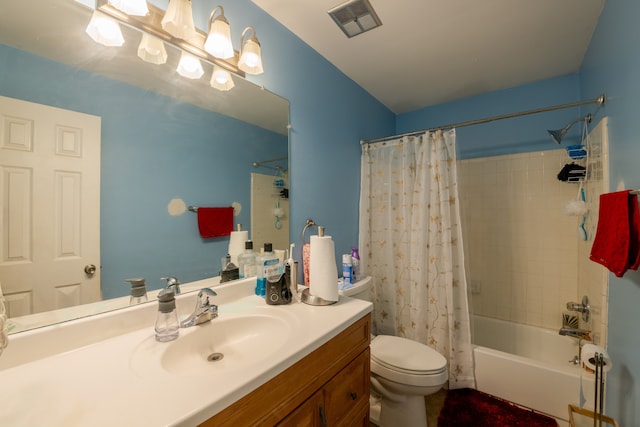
[94, 371]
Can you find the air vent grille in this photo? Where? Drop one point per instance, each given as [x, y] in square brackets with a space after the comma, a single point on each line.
[355, 17]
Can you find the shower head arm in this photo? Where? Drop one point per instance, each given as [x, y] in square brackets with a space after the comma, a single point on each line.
[557, 135]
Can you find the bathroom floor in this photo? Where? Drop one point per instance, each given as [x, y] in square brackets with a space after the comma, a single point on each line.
[434, 404]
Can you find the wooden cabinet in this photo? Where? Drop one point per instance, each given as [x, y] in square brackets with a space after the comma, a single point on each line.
[329, 387]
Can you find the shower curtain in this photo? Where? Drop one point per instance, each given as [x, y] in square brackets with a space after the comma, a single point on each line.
[411, 240]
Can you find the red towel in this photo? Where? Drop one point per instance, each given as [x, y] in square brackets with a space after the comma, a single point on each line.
[617, 241]
[215, 222]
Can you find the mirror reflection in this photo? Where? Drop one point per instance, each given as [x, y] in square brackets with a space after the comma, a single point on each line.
[166, 142]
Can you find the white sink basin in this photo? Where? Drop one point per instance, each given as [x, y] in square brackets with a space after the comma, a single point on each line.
[225, 344]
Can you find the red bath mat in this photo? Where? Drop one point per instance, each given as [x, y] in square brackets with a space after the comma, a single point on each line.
[468, 407]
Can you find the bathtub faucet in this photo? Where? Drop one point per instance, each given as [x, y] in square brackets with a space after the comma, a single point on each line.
[583, 334]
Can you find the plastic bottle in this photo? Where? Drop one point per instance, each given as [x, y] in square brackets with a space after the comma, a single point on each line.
[138, 291]
[230, 271]
[267, 265]
[247, 260]
[347, 269]
[167, 327]
[355, 263]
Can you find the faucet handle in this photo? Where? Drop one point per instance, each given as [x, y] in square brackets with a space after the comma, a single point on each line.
[172, 282]
[204, 294]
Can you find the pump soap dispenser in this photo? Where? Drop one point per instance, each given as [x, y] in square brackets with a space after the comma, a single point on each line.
[167, 327]
[138, 291]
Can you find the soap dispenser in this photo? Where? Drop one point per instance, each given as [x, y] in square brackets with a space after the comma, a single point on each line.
[230, 271]
[138, 291]
[167, 326]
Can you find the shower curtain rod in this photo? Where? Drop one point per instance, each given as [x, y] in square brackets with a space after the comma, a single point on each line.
[599, 100]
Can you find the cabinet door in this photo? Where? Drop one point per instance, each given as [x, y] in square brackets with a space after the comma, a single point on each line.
[309, 414]
[346, 396]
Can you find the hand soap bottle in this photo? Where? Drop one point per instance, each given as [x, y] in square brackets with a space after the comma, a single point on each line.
[138, 291]
[167, 326]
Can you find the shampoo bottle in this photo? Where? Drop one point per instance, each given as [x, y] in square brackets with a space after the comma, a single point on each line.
[347, 270]
[355, 263]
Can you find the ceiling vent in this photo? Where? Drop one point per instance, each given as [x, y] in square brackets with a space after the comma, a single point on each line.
[355, 17]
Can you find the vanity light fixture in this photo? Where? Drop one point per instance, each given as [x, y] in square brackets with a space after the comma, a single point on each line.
[175, 27]
[178, 20]
[104, 30]
[151, 49]
[221, 79]
[218, 42]
[131, 7]
[190, 66]
[250, 53]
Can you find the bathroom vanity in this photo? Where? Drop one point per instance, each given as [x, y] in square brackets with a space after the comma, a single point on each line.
[287, 365]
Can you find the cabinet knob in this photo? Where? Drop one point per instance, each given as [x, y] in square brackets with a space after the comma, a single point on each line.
[353, 395]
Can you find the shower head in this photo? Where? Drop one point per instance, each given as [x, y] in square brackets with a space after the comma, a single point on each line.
[558, 134]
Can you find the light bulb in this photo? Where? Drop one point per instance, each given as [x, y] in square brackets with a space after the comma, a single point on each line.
[104, 30]
[190, 66]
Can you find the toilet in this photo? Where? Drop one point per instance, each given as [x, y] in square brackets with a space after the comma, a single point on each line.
[403, 372]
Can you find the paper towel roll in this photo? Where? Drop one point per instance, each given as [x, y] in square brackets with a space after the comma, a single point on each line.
[323, 272]
[588, 353]
[236, 244]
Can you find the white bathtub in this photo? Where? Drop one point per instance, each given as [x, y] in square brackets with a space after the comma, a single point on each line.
[528, 366]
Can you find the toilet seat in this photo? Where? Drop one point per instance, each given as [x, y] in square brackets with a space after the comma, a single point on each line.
[407, 362]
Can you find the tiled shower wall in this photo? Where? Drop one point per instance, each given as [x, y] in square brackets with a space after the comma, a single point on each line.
[522, 250]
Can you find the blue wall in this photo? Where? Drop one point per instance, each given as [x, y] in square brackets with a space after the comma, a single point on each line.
[329, 115]
[612, 65]
[522, 134]
[153, 149]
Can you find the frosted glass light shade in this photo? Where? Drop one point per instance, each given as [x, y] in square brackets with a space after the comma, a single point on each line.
[104, 30]
[218, 41]
[131, 7]
[190, 66]
[178, 20]
[221, 79]
[251, 59]
[151, 49]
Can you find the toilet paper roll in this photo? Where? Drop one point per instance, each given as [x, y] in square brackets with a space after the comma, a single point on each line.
[587, 384]
[323, 273]
[236, 244]
[587, 357]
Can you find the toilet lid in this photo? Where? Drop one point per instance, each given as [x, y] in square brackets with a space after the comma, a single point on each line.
[405, 355]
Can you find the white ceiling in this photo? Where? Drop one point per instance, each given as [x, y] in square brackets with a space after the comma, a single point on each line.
[429, 52]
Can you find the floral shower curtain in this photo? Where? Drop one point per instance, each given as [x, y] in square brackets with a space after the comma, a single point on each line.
[411, 240]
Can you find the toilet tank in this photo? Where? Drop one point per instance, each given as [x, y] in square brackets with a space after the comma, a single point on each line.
[360, 289]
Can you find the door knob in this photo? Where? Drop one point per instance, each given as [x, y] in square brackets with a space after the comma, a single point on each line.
[90, 269]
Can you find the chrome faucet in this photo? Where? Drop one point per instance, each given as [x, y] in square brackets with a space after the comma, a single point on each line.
[172, 284]
[204, 311]
[583, 334]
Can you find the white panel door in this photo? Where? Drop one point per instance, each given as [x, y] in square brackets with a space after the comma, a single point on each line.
[49, 207]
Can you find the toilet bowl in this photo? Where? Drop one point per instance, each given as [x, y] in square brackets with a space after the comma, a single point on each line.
[403, 372]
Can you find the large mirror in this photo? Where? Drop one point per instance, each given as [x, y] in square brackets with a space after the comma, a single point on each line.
[166, 143]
